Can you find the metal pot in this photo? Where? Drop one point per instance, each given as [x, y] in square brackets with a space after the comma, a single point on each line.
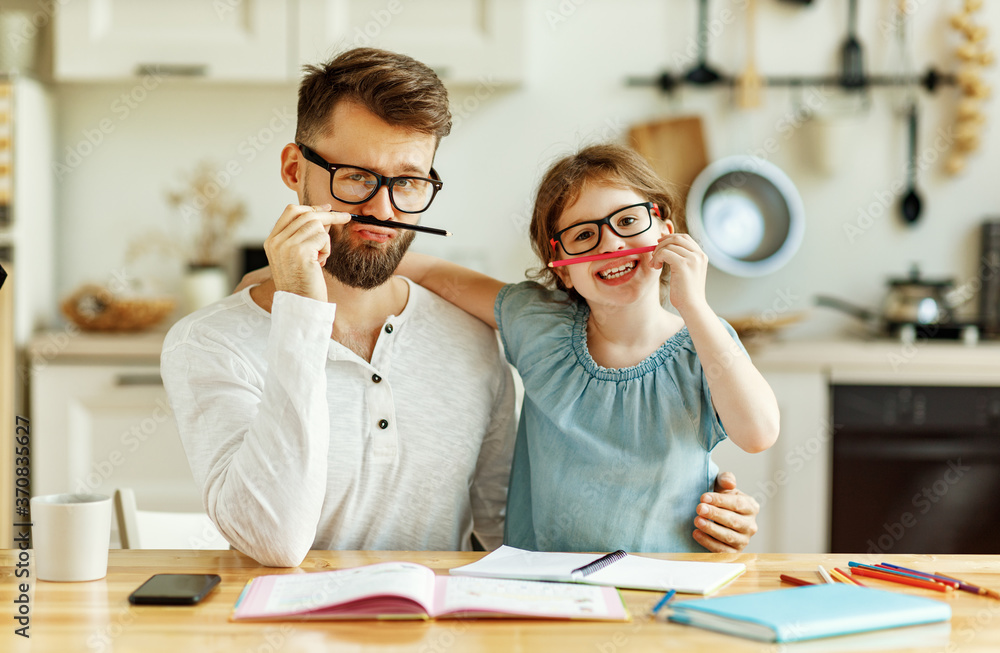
[909, 301]
[918, 301]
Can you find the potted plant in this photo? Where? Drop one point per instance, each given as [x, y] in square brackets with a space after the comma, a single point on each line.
[208, 217]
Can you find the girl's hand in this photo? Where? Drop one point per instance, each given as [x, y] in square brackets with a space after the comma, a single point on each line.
[688, 270]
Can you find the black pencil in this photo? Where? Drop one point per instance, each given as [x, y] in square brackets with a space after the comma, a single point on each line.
[392, 224]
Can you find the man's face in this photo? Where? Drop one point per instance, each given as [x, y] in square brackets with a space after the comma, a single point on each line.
[364, 256]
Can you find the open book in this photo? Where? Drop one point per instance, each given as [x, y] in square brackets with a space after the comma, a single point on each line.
[618, 569]
[404, 590]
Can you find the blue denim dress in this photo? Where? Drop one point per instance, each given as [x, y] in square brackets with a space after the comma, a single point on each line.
[605, 459]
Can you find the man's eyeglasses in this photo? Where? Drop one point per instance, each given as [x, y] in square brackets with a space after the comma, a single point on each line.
[354, 185]
[627, 222]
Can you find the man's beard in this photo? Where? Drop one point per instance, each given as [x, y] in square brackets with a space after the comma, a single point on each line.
[368, 264]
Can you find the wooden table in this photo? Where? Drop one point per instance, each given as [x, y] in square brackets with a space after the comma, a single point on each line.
[96, 616]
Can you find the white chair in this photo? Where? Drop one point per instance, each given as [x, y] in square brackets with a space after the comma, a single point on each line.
[144, 529]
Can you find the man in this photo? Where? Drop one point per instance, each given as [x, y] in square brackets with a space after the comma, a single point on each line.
[391, 426]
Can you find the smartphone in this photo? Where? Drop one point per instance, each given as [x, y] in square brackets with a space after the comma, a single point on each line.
[174, 589]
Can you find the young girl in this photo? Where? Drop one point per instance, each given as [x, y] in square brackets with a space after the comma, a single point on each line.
[623, 400]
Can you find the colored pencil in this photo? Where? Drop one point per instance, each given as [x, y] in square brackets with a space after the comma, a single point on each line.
[969, 587]
[792, 580]
[841, 577]
[598, 257]
[919, 574]
[848, 576]
[392, 224]
[824, 573]
[901, 579]
[662, 602]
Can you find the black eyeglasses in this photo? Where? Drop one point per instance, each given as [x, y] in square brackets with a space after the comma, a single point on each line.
[626, 222]
[354, 185]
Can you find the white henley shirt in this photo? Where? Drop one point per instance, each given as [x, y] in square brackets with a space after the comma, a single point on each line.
[298, 443]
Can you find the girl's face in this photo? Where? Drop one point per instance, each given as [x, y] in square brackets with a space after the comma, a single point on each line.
[616, 280]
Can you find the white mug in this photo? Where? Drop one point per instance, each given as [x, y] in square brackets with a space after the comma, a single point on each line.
[71, 534]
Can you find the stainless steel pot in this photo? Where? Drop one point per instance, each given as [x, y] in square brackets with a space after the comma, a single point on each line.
[909, 301]
[914, 300]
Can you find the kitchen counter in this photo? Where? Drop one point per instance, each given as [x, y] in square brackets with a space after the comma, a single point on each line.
[73, 345]
[830, 356]
[942, 362]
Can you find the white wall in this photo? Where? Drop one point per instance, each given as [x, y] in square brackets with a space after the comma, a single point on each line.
[579, 52]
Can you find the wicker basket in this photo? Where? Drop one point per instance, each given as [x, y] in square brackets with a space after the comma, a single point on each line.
[95, 308]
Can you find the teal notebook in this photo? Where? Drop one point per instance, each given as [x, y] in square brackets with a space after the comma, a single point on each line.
[809, 612]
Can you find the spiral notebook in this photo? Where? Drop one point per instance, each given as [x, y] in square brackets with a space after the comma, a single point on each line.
[618, 569]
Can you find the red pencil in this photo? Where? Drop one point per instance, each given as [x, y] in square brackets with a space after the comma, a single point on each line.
[904, 580]
[792, 580]
[598, 257]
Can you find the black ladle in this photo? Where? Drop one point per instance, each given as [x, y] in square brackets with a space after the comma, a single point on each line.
[702, 73]
[911, 203]
[852, 61]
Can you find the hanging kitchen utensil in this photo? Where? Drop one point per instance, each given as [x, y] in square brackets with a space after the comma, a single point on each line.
[852, 63]
[675, 147]
[911, 203]
[702, 73]
[903, 93]
[750, 82]
[746, 214]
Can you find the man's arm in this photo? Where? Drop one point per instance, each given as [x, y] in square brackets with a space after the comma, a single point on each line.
[727, 518]
[257, 446]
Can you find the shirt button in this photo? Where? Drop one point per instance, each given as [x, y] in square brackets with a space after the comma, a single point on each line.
[388, 328]
[376, 378]
[383, 423]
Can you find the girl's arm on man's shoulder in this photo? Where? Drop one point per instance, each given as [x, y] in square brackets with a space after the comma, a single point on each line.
[473, 292]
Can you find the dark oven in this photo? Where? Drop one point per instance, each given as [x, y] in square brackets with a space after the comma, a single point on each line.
[916, 469]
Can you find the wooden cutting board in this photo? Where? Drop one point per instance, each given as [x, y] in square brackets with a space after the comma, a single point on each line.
[675, 147]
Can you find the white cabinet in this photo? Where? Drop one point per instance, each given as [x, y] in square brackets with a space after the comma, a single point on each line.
[790, 480]
[467, 42]
[98, 427]
[233, 40]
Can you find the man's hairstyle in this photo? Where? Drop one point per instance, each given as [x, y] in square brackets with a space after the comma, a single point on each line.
[611, 164]
[398, 89]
